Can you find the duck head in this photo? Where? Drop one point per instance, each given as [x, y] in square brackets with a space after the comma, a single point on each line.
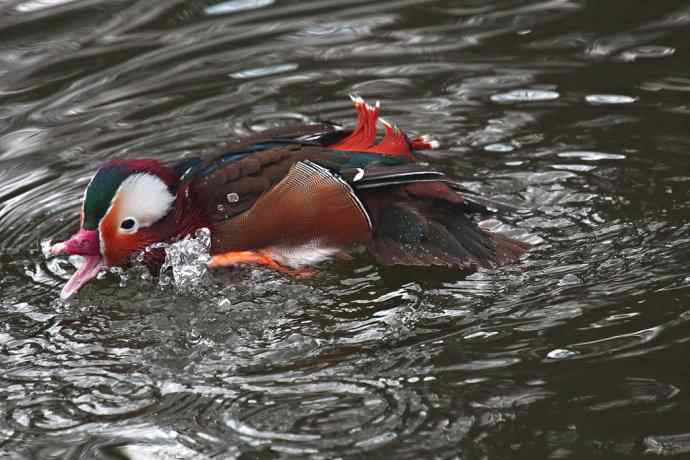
[127, 206]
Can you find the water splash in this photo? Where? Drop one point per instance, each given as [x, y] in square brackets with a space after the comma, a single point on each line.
[46, 244]
[186, 260]
[120, 273]
[666, 445]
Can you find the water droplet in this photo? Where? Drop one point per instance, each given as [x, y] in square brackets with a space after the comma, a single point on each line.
[499, 148]
[120, 272]
[560, 353]
[525, 95]
[45, 248]
[591, 156]
[610, 99]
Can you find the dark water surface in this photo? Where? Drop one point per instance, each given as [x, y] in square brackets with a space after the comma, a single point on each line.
[577, 112]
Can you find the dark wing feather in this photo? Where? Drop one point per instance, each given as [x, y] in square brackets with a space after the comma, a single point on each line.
[429, 223]
[234, 188]
[227, 186]
[315, 134]
[311, 134]
[378, 175]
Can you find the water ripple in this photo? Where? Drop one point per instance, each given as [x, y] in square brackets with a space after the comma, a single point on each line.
[536, 106]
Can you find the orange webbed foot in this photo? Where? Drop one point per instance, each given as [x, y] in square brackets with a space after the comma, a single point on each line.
[234, 258]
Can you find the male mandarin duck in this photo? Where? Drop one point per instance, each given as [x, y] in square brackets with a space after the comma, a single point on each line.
[289, 198]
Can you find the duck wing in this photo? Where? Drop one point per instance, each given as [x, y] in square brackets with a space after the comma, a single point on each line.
[318, 186]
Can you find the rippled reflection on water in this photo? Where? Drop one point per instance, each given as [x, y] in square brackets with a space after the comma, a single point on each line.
[573, 111]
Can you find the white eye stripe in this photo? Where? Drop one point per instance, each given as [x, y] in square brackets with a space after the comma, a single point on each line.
[144, 198]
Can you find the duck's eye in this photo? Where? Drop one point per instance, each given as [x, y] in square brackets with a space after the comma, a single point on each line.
[128, 224]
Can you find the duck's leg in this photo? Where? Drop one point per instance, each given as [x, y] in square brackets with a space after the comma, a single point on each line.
[234, 258]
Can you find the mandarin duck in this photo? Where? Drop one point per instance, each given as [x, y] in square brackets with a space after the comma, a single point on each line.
[288, 198]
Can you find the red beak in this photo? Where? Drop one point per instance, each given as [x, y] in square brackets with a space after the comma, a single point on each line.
[84, 243]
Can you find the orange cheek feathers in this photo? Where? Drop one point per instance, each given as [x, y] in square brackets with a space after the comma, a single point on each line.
[116, 247]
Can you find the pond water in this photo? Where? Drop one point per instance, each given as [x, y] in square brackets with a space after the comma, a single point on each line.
[576, 112]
